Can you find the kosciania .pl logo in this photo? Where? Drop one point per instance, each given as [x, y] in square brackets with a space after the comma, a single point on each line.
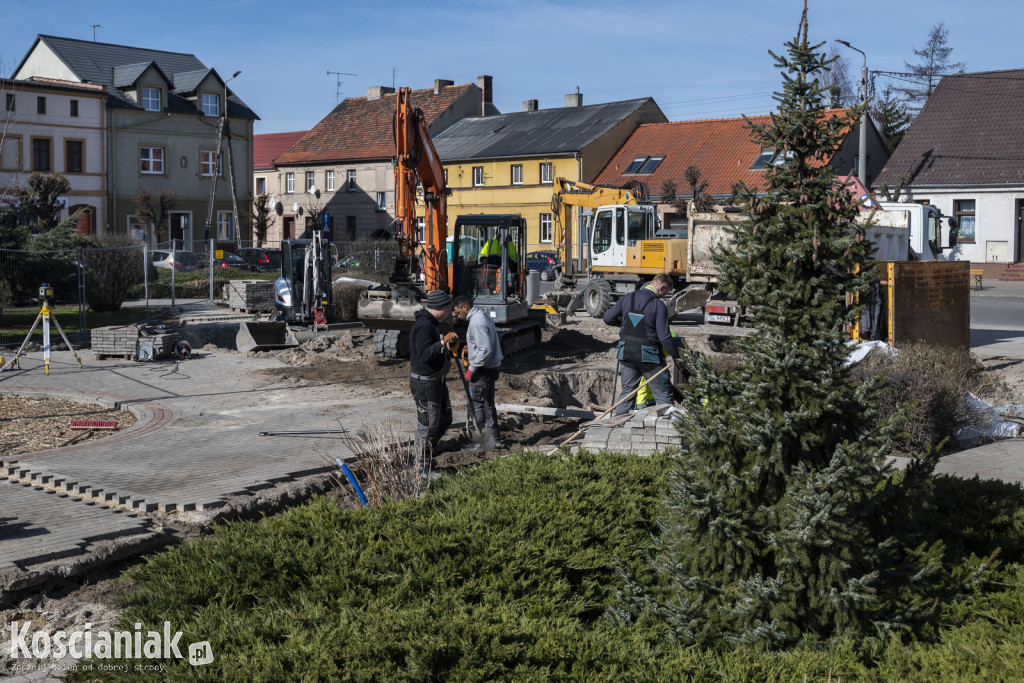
[104, 644]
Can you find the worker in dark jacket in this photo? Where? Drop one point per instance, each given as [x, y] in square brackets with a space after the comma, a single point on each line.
[643, 335]
[430, 353]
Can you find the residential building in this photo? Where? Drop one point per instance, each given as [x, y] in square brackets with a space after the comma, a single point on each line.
[508, 163]
[963, 154]
[354, 147]
[52, 125]
[266, 180]
[163, 111]
[721, 149]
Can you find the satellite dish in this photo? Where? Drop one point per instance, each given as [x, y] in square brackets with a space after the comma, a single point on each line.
[295, 207]
[312, 189]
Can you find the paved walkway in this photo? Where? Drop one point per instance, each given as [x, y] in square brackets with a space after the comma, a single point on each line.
[194, 450]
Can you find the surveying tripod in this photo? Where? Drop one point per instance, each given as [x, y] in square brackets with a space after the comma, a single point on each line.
[45, 292]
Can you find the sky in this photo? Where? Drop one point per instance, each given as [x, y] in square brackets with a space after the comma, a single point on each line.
[698, 59]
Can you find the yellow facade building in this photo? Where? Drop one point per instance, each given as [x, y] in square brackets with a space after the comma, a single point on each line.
[507, 164]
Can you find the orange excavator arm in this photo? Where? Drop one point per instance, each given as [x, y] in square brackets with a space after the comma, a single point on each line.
[416, 158]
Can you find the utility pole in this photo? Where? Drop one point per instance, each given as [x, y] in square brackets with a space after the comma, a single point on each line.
[337, 85]
[223, 131]
[862, 155]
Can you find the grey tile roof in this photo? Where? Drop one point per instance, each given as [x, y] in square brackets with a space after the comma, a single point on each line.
[95, 62]
[970, 132]
[187, 81]
[529, 133]
[126, 74]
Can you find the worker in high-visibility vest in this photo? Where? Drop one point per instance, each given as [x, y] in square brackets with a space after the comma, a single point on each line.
[490, 254]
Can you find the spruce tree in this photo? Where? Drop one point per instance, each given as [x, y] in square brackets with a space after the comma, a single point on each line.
[779, 524]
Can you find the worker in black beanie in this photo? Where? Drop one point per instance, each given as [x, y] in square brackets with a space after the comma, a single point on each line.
[430, 355]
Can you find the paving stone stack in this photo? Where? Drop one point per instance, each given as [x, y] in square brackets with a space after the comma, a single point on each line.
[648, 430]
[163, 344]
[250, 295]
[115, 341]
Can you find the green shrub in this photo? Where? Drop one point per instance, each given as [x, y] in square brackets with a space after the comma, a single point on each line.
[111, 271]
[505, 572]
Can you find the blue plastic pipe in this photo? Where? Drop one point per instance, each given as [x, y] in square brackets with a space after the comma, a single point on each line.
[352, 480]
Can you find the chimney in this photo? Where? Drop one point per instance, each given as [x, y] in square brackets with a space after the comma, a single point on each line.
[574, 99]
[440, 84]
[529, 105]
[486, 88]
[375, 92]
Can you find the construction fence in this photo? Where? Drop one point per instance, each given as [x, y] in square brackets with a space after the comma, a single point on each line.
[98, 287]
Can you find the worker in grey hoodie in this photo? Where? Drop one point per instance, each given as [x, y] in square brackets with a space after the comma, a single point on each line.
[483, 356]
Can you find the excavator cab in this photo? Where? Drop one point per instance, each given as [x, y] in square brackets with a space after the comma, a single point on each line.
[488, 253]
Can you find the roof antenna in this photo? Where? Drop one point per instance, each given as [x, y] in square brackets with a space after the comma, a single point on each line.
[338, 82]
[94, 27]
[393, 69]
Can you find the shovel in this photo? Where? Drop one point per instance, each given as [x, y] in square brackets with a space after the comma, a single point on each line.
[481, 440]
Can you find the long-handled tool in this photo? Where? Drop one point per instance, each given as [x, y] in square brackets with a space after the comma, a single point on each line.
[481, 440]
[605, 413]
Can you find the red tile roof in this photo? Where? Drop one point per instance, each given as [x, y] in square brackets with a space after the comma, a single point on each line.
[359, 128]
[269, 146]
[720, 148]
[970, 132]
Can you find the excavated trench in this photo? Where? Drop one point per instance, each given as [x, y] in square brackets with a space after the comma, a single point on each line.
[574, 387]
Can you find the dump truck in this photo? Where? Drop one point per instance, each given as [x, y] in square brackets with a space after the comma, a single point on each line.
[900, 311]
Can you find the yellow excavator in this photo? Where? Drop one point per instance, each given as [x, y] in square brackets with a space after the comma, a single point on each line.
[623, 253]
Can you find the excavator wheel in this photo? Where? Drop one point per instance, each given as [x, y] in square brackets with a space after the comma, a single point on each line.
[598, 297]
[391, 344]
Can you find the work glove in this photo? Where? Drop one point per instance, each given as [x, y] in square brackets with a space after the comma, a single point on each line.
[451, 340]
[465, 355]
[470, 375]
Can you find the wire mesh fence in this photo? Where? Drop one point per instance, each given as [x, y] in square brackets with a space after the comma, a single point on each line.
[102, 286]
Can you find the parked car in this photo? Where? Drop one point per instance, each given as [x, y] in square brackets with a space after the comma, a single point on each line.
[184, 261]
[543, 262]
[262, 260]
[231, 261]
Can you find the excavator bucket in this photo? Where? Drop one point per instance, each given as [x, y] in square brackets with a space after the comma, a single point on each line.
[264, 337]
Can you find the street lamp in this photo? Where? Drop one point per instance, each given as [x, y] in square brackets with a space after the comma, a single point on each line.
[862, 156]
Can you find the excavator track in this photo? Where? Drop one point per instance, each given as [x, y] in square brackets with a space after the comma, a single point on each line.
[391, 343]
[520, 339]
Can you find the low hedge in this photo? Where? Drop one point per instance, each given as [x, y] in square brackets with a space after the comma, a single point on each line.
[505, 572]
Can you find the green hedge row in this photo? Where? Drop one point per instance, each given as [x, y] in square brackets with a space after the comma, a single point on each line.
[504, 572]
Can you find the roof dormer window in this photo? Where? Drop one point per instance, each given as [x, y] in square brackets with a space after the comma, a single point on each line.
[211, 104]
[150, 99]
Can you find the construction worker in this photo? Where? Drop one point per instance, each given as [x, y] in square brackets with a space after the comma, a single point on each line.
[490, 254]
[643, 335]
[483, 358]
[645, 397]
[429, 353]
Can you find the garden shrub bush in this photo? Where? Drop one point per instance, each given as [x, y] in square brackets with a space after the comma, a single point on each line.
[506, 572]
[111, 271]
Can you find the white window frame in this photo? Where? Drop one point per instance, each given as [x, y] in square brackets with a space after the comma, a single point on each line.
[517, 174]
[147, 156]
[289, 183]
[210, 103]
[382, 201]
[146, 97]
[351, 186]
[207, 164]
[478, 176]
[330, 181]
[224, 226]
[310, 181]
[545, 227]
[546, 173]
